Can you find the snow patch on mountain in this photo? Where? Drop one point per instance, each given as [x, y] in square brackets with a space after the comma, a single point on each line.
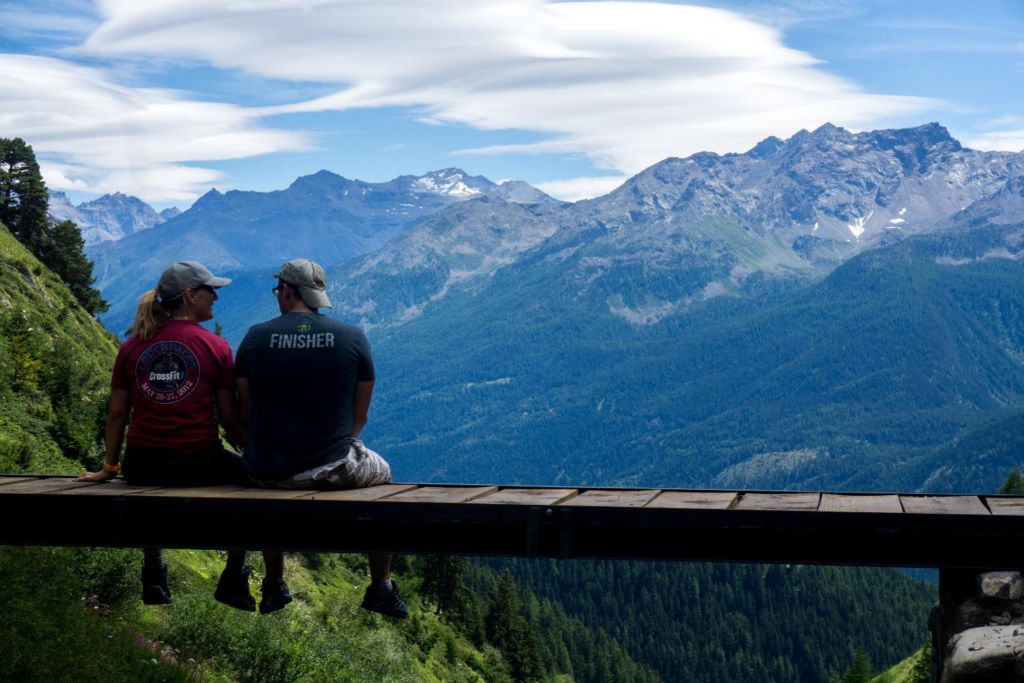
[451, 184]
[857, 227]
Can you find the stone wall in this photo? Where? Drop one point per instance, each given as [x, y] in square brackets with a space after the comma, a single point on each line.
[978, 627]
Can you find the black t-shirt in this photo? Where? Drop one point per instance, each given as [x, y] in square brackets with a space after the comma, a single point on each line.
[302, 370]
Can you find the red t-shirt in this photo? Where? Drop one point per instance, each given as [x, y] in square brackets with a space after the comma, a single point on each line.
[173, 379]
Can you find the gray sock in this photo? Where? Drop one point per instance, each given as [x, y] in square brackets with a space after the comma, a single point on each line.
[386, 586]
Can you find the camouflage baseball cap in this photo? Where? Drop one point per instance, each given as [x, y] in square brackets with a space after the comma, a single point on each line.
[184, 275]
[309, 278]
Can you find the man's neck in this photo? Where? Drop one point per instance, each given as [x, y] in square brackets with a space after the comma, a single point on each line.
[297, 307]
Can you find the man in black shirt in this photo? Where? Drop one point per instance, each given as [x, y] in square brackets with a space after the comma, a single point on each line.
[305, 382]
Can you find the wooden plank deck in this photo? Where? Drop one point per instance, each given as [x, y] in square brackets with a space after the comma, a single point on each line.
[670, 524]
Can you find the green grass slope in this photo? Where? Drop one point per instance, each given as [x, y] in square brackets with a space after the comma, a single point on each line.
[55, 362]
[75, 614]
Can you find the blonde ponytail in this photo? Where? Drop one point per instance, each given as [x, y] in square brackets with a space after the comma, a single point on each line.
[150, 316]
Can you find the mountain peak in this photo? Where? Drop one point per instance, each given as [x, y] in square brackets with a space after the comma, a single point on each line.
[115, 198]
[930, 135]
[828, 128]
[211, 196]
[450, 172]
[324, 173]
[451, 182]
[934, 132]
[320, 178]
[766, 148]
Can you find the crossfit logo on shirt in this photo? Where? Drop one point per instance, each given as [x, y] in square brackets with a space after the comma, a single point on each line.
[167, 372]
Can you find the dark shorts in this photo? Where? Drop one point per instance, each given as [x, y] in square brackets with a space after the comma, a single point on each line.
[169, 467]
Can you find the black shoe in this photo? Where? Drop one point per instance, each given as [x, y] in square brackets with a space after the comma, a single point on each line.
[233, 589]
[388, 604]
[275, 595]
[154, 585]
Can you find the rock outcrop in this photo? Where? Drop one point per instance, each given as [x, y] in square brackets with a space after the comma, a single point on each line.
[978, 627]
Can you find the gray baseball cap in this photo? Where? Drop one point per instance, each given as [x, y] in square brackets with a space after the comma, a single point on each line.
[184, 275]
[309, 278]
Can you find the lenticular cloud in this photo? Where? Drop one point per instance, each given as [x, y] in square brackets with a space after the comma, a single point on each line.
[93, 134]
[627, 84]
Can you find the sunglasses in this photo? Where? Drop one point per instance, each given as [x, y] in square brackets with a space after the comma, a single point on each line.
[280, 285]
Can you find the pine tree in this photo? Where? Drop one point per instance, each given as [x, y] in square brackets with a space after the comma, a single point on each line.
[24, 206]
[859, 671]
[443, 581]
[503, 611]
[1014, 483]
[511, 633]
[23, 198]
[62, 251]
[921, 671]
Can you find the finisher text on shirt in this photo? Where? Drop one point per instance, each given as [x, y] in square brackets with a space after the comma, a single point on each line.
[320, 340]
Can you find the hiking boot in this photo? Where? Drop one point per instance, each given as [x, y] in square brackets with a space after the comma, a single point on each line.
[154, 585]
[233, 589]
[389, 604]
[275, 595]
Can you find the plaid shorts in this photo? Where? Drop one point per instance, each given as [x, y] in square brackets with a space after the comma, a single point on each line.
[360, 468]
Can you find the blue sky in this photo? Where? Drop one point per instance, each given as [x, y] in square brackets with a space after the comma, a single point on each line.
[165, 99]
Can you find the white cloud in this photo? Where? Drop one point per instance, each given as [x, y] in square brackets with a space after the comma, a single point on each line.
[626, 84]
[575, 189]
[997, 141]
[63, 177]
[53, 19]
[95, 135]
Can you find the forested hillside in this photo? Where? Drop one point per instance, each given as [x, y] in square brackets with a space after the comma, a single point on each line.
[837, 384]
[717, 622]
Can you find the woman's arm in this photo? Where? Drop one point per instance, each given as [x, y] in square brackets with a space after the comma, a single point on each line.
[227, 409]
[117, 421]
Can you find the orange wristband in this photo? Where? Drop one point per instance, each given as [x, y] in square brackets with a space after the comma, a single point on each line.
[113, 469]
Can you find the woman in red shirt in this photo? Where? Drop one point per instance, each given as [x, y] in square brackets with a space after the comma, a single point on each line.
[173, 383]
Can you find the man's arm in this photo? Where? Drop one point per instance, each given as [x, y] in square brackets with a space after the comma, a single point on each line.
[361, 406]
[242, 385]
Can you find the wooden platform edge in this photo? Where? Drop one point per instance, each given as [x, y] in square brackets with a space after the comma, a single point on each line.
[304, 521]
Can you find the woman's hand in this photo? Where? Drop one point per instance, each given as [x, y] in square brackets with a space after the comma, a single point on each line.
[102, 475]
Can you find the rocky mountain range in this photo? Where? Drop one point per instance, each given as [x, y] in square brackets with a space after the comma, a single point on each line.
[818, 312]
[108, 218]
[323, 215]
[688, 230]
[678, 234]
